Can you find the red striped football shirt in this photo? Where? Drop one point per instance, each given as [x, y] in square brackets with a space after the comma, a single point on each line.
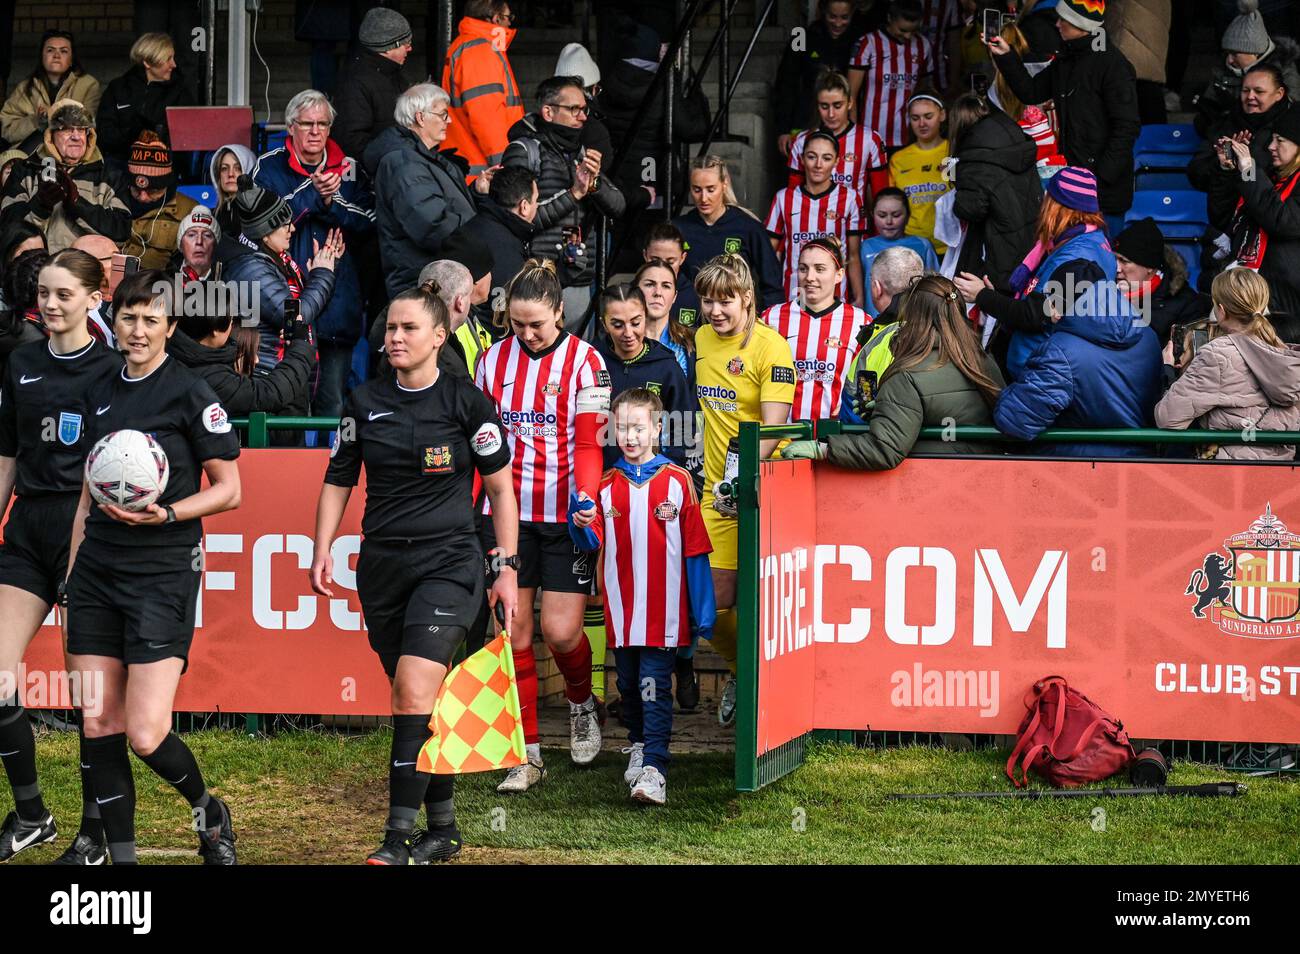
[937, 18]
[862, 152]
[536, 397]
[649, 531]
[797, 217]
[893, 71]
[822, 345]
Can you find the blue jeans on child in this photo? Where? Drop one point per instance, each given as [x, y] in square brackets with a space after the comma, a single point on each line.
[645, 689]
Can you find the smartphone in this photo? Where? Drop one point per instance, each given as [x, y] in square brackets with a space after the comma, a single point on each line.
[979, 84]
[122, 266]
[1006, 20]
[992, 24]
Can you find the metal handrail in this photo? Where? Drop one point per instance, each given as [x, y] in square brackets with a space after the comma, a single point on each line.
[1082, 435]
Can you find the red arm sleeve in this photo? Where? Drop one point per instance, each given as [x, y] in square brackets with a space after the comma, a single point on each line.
[588, 462]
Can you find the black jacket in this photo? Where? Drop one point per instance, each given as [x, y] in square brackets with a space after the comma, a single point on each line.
[505, 233]
[1219, 184]
[624, 89]
[998, 195]
[131, 104]
[1175, 302]
[367, 93]
[509, 237]
[792, 93]
[1280, 267]
[557, 209]
[284, 390]
[420, 199]
[1095, 92]
[1223, 94]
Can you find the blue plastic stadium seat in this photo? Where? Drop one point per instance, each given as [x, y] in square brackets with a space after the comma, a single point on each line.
[1161, 181]
[1180, 213]
[1167, 146]
[202, 194]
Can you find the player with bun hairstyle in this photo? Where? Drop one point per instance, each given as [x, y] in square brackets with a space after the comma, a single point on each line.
[45, 381]
[821, 329]
[421, 436]
[131, 596]
[743, 372]
[551, 390]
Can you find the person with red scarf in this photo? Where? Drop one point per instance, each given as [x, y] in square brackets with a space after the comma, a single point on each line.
[266, 265]
[1154, 277]
[1266, 225]
[324, 193]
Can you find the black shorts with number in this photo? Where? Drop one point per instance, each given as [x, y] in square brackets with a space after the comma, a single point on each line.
[34, 555]
[548, 558]
[419, 599]
[135, 604]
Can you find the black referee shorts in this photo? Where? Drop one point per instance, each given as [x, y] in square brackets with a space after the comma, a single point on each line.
[34, 555]
[419, 599]
[134, 604]
[548, 558]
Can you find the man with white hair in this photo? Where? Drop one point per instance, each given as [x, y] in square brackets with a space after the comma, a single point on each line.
[893, 273]
[420, 193]
[326, 195]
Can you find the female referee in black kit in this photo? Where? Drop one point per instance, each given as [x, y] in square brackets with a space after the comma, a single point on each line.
[133, 579]
[420, 579]
[44, 438]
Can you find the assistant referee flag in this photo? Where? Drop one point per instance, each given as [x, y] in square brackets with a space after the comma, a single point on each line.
[476, 723]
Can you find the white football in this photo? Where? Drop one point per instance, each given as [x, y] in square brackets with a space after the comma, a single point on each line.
[127, 469]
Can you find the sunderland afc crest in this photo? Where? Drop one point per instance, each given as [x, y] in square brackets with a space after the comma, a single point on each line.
[1254, 592]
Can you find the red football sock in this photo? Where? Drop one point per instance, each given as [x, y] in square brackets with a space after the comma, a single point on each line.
[575, 666]
[526, 678]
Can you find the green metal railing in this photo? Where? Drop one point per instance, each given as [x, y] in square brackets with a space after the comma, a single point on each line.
[753, 770]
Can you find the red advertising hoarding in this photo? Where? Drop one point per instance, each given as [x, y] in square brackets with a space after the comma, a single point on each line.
[930, 598]
[265, 642]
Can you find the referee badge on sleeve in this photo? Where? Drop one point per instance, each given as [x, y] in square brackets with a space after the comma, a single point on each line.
[486, 440]
[215, 419]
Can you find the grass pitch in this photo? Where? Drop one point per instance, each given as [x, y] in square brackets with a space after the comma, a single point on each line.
[320, 798]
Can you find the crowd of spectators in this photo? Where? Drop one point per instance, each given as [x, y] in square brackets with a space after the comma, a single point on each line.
[996, 164]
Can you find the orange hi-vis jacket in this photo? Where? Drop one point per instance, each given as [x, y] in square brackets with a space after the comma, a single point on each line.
[485, 99]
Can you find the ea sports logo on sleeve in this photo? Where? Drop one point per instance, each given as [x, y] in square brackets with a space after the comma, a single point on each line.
[215, 419]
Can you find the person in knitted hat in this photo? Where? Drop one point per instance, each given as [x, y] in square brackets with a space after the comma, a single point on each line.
[157, 207]
[1246, 44]
[1154, 276]
[1094, 89]
[263, 261]
[77, 195]
[367, 92]
[1072, 251]
[196, 245]
[576, 61]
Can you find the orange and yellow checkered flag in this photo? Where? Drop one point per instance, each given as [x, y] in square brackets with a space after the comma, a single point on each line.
[476, 723]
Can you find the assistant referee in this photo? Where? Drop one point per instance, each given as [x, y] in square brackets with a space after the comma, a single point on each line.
[420, 436]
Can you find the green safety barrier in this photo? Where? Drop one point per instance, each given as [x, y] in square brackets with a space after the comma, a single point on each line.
[753, 771]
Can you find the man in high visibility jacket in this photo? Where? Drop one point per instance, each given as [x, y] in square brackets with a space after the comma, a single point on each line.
[485, 100]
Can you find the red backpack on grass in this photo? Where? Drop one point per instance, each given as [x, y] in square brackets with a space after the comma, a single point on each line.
[1067, 739]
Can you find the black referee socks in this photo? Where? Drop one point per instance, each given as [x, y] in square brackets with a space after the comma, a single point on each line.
[174, 763]
[92, 826]
[18, 752]
[439, 807]
[406, 786]
[114, 788]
